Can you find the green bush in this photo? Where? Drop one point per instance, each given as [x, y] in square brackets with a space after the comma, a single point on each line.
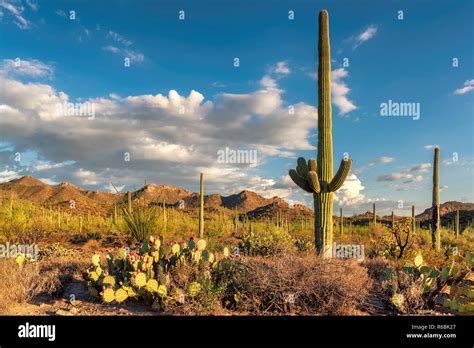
[267, 243]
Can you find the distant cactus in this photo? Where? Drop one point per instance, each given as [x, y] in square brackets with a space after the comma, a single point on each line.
[165, 218]
[413, 219]
[317, 177]
[374, 216]
[393, 219]
[457, 224]
[129, 200]
[435, 221]
[201, 206]
[341, 223]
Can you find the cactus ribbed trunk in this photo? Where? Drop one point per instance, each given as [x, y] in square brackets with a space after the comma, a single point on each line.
[435, 221]
[165, 218]
[393, 219]
[129, 199]
[374, 217]
[323, 201]
[457, 224]
[201, 206]
[341, 223]
[413, 219]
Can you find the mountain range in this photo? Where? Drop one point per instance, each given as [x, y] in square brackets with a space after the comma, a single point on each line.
[246, 202]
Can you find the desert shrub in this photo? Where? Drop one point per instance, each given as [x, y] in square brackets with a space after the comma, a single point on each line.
[376, 267]
[294, 284]
[93, 235]
[175, 277]
[392, 242]
[266, 243]
[141, 223]
[403, 236]
[56, 250]
[382, 246]
[22, 283]
[304, 245]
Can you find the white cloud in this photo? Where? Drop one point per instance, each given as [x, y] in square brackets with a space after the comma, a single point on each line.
[42, 166]
[381, 160]
[420, 168]
[468, 87]
[366, 35]
[134, 56]
[7, 175]
[339, 91]
[170, 138]
[124, 49]
[111, 48]
[48, 181]
[268, 83]
[408, 178]
[429, 147]
[282, 68]
[24, 67]
[408, 175]
[119, 38]
[33, 4]
[350, 194]
[16, 9]
[60, 13]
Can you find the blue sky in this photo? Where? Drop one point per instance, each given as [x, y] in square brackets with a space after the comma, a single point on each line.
[245, 107]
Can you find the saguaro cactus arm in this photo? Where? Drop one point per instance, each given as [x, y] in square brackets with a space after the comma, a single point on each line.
[312, 165]
[301, 167]
[298, 180]
[341, 175]
[314, 181]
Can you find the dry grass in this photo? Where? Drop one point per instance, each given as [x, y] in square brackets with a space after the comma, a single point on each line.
[304, 285]
[21, 284]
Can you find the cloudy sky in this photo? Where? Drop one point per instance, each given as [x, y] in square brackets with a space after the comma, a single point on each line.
[164, 87]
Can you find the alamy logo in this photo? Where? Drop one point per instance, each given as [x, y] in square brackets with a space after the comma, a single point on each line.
[76, 109]
[237, 156]
[348, 251]
[392, 108]
[30, 251]
[37, 331]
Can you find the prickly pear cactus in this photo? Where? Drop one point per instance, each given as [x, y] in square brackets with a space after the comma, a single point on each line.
[145, 272]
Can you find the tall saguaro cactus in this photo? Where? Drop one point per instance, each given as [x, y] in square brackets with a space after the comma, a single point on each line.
[317, 177]
[129, 200]
[341, 222]
[413, 219]
[457, 224]
[374, 216]
[201, 206]
[435, 221]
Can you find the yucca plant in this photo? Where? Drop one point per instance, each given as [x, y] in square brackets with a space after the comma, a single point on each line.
[141, 223]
